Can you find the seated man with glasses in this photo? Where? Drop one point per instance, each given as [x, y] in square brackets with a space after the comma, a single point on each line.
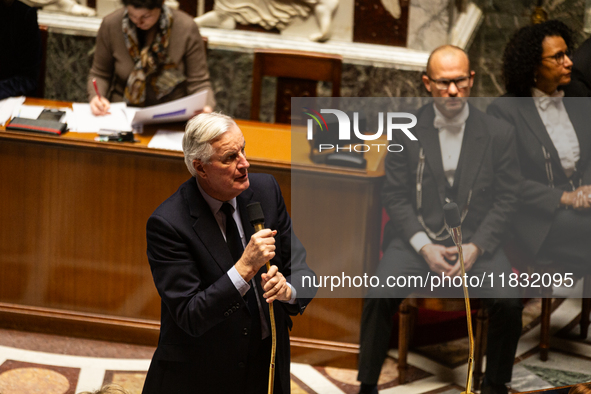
[465, 156]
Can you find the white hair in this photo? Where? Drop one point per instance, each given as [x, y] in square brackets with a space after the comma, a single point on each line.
[200, 132]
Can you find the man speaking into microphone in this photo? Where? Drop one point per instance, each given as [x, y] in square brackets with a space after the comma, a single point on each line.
[206, 259]
[464, 156]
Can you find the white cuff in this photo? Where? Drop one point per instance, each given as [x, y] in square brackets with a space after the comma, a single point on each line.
[241, 285]
[419, 240]
[292, 300]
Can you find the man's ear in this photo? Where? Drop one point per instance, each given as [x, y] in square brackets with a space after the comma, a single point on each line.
[426, 82]
[198, 167]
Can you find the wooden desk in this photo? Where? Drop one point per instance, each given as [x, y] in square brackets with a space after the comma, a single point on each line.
[72, 229]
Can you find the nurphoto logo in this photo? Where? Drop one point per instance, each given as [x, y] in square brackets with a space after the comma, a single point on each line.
[344, 129]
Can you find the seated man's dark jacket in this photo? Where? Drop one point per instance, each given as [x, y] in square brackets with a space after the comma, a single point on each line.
[205, 320]
[538, 201]
[487, 167]
[20, 50]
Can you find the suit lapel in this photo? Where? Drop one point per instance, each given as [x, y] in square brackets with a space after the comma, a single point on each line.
[580, 121]
[428, 136]
[528, 110]
[472, 154]
[243, 200]
[207, 228]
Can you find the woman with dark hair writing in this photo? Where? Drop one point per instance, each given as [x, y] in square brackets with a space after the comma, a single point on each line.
[146, 54]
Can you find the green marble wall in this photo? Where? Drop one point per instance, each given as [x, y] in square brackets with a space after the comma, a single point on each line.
[70, 57]
[68, 61]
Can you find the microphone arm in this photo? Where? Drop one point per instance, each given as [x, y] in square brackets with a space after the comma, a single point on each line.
[454, 226]
[257, 219]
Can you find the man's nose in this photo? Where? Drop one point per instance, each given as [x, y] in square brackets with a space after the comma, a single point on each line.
[568, 63]
[243, 163]
[452, 90]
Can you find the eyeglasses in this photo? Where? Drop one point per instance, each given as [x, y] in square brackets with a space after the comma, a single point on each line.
[443, 84]
[559, 57]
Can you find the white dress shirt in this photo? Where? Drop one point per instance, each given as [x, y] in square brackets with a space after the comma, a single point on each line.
[216, 208]
[559, 128]
[451, 135]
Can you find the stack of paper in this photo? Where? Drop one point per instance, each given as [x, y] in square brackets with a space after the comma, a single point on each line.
[7, 107]
[82, 120]
[166, 139]
[27, 111]
[175, 111]
[120, 117]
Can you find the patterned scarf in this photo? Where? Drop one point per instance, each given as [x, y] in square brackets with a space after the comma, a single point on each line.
[150, 60]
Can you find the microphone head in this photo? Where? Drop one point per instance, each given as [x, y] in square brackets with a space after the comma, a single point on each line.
[255, 213]
[452, 215]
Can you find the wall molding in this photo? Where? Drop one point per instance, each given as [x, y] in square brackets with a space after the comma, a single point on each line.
[400, 58]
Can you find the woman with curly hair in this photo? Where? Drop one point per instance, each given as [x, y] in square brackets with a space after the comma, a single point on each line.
[526, 64]
[554, 146]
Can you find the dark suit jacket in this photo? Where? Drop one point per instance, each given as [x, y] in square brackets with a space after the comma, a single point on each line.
[487, 166]
[20, 49]
[539, 202]
[204, 336]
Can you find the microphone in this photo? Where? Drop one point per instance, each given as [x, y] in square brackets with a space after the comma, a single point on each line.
[453, 221]
[257, 219]
[454, 226]
[256, 215]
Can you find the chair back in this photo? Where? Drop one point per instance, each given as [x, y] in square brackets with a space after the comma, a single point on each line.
[298, 74]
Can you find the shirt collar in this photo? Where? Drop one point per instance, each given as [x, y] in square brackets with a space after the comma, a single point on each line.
[458, 120]
[214, 204]
[543, 100]
[535, 92]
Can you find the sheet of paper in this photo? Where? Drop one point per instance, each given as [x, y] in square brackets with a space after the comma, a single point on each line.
[166, 139]
[28, 111]
[174, 111]
[83, 121]
[7, 107]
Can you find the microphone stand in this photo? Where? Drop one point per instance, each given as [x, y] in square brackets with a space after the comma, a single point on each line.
[258, 227]
[456, 235]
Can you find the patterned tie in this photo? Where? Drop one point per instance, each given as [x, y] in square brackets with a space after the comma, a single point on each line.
[236, 249]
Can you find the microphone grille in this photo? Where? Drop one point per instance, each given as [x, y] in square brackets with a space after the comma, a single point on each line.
[452, 215]
[255, 213]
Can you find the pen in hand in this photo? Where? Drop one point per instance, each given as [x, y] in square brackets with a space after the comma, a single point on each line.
[96, 89]
[101, 106]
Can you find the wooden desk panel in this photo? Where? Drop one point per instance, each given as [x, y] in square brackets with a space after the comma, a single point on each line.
[72, 227]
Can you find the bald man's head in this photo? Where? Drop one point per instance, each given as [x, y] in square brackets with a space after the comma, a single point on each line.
[449, 79]
[447, 51]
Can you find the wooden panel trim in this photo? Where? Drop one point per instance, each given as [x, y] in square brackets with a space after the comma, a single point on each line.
[125, 148]
[325, 345]
[114, 328]
[142, 150]
[79, 324]
[83, 143]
